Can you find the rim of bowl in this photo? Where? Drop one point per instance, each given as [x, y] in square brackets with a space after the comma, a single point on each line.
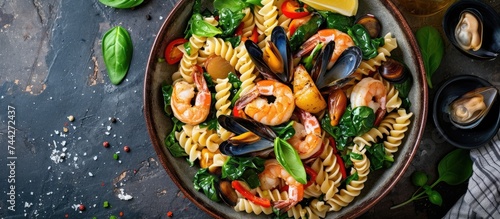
[415, 51]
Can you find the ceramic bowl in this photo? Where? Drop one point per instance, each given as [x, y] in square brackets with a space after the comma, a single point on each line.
[379, 183]
[452, 89]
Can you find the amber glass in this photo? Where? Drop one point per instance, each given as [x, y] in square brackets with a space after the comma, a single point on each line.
[423, 7]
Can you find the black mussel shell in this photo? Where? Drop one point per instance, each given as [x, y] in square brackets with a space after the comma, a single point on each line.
[393, 71]
[322, 61]
[341, 72]
[227, 193]
[256, 55]
[371, 24]
[260, 148]
[280, 40]
[238, 126]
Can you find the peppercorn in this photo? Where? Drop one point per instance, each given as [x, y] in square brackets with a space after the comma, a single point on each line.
[81, 207]
[170, 214]
[105, 144]
[113, 120]
[126, 149]
[120, 214]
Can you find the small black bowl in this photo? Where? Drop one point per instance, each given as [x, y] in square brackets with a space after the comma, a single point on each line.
[464, 138]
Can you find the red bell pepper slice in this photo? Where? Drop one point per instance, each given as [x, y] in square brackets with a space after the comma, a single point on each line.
[292, 9]
[342, 166]
[312, 176]
[264, 202]
[333, 144]
[172, 53]
[239, 29]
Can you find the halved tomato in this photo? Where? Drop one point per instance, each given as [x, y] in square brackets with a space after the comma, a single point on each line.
[172, 53]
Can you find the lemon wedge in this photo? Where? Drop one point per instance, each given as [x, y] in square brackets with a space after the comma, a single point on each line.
[344, 7]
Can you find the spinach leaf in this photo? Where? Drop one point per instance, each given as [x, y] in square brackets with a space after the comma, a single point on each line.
[308, 61]
[351, 177]
[290, 160]
[117, 53]
[362, 38]
[284, 132]
[378, 158]
[167, 97]
[229, 21]
[206, 182]
[171, 143]
[234, 40]
[432, 48]
[243, 168]
[305, 31]
[121, 3]
[235, 5]
[455, 168]
[363, 119]
[337, 21]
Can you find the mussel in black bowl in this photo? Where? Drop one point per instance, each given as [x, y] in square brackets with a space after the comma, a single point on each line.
[473, 27]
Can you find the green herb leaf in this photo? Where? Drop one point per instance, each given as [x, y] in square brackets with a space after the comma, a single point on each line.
[229, 21]
[419, 178]
[435, 197]
[171, 143]
[290, 160]
[121, 3]
[167, 97]
[206, 182]
[337, 21]
[362, 38]
[117, 53]
[356, 156]
[432, 48]
[456, 167]
[363, 119]
[243, 168]
[378, 157]
[308, 61]
[305, 31]
[284, 132]
[351, 177]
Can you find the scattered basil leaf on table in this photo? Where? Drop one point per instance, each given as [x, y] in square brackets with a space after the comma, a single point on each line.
[290, 160]
[121, 3]
[117, 53]
[455, 168]
[432, 48]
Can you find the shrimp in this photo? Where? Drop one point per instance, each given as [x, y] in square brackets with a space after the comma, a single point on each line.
[182, 94]
[307, 138]
[269, 179]
[369, 92]
[341, 39]
[263, 111]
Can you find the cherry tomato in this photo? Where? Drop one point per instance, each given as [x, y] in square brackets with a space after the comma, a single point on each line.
[172, 53]
[292, 9]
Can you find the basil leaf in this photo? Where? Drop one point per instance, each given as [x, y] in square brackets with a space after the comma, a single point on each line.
[362, 38]
[171, 143]
[206, 182]
[117, 53]
[432, 48]
[233, 5]
[455, 168]
[121, 3]
[200, 27]
[290, 160]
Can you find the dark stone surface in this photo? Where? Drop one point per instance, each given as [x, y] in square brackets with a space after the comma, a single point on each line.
[51, 67]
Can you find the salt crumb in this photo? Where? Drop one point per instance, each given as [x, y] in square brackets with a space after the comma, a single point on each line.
[95, 157]
[108, 128]
[90, 174]
[107, 133]
[124, 196]
[63, 143]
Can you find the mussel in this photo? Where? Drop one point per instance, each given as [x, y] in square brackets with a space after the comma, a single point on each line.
[275, 62]
[227, 193]
[469, 110]
[341, 72]
[393, 71]
[473, 27]
[252, 138]
[371, 23]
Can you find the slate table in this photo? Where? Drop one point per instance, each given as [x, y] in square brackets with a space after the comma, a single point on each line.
[51, 68]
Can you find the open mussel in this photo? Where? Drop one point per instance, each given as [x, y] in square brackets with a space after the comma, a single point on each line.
[227, 193]
[252, 138]
[473, 27]
[275, 62]
[468, 111]
[341, 72]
